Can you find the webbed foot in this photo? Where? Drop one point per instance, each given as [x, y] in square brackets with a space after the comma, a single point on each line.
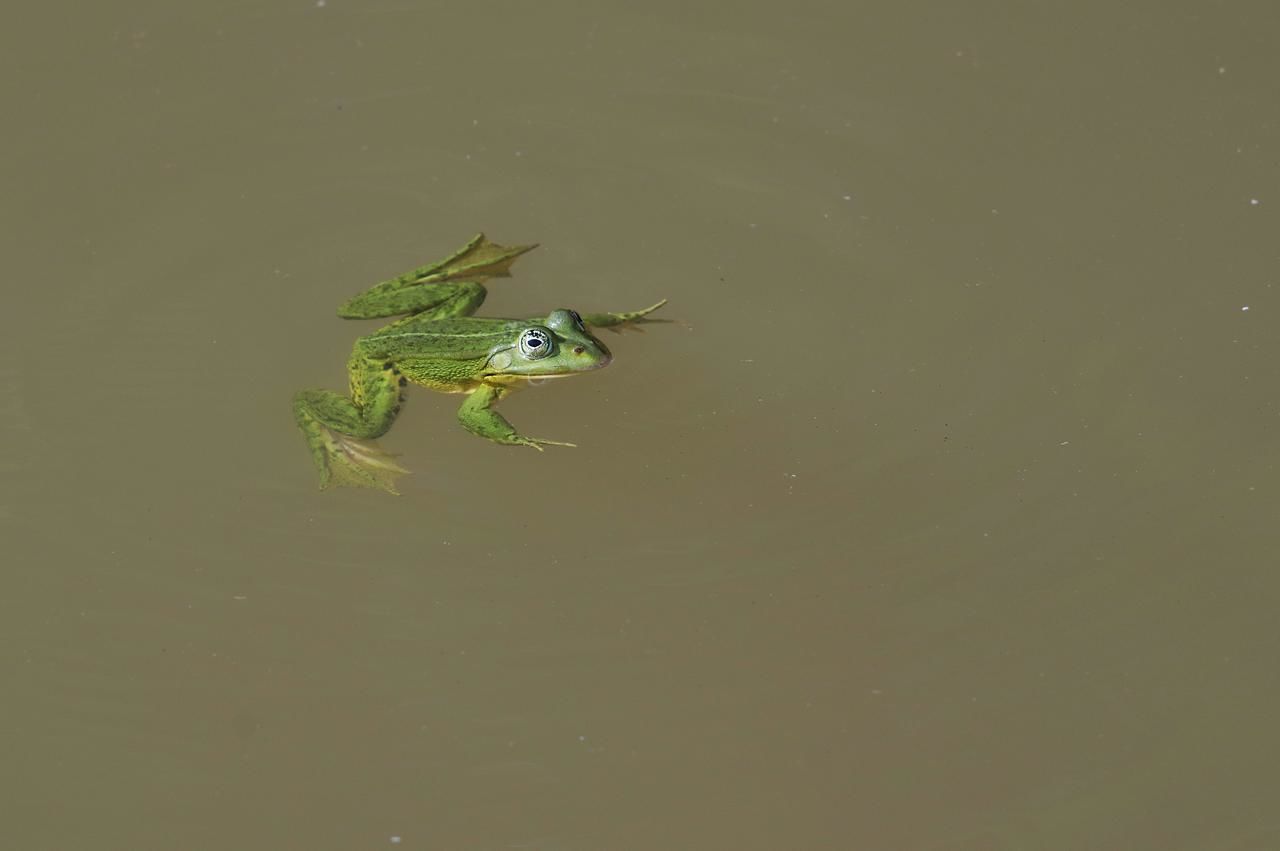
[356, 463]
[478, 260]
[343, 460]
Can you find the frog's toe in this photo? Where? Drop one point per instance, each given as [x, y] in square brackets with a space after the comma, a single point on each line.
[633, 320]
[538, 443]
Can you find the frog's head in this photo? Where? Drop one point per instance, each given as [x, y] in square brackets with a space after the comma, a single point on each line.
[563, 346]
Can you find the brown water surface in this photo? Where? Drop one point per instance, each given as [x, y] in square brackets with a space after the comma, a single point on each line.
[944, 518]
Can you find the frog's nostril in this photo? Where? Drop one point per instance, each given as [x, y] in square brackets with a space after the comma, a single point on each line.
[577, 350]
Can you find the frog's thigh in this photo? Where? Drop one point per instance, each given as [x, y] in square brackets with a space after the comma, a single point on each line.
[375, 395]
[374, 403]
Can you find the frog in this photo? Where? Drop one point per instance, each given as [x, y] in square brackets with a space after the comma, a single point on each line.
[439, 344]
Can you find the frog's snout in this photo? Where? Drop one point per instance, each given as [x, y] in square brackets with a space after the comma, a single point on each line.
[598, 354]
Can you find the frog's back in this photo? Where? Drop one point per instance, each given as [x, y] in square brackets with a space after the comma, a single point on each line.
[463, 338]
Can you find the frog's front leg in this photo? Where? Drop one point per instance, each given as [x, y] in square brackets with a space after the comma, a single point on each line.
[478, 417]
[339, 430]
[618, 321]
[450, 287]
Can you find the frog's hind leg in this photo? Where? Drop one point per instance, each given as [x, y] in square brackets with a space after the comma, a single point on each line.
[447, 288]
[340, 430]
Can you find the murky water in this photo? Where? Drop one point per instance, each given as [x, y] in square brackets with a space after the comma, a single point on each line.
[944, 518]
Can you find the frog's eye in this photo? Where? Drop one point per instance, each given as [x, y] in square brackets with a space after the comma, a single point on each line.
[534, 343]
[577, 320]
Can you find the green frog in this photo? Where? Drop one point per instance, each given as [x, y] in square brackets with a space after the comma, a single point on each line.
[440, 345]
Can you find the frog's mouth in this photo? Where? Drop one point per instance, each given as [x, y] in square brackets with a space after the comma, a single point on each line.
[564, 373]
[603, 357]
[500, 364]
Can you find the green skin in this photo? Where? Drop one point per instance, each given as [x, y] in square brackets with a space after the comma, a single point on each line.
[441, 346]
